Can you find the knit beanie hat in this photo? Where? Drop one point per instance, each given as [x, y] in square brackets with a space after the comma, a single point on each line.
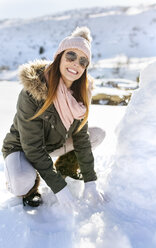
[80, 39]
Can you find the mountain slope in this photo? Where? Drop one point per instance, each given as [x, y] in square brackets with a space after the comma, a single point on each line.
[127, 31]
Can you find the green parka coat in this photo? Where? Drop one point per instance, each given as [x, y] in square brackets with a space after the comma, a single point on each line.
[38, 137]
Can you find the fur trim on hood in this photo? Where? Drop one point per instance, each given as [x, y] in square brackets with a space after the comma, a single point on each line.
[32, 78]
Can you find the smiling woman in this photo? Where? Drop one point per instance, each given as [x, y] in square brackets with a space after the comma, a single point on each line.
[51, 120]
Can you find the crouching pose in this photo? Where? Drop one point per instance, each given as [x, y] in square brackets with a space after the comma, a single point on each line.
[51, 120]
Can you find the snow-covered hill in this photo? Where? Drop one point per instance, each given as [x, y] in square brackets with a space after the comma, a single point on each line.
[124, 38]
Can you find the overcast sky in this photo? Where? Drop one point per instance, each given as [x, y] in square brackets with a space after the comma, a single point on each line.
[35, 8]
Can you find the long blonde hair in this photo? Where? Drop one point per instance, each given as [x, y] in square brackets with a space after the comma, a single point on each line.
[79, 88]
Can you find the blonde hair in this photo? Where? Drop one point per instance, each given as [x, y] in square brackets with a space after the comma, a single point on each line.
[79, 88]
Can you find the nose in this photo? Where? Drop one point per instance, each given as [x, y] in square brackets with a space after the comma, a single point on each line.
[76, 62]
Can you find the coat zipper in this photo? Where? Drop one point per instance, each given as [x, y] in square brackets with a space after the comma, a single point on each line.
[43, 139]
[64, 145]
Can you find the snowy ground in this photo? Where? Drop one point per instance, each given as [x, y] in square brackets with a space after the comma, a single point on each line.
[125, 165]
[47, 225]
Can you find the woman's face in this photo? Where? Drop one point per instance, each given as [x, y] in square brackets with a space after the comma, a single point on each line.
[72, 65]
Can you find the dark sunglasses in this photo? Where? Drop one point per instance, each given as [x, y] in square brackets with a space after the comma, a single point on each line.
[72, 56]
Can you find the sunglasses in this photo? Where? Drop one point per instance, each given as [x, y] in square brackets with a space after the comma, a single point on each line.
[72, 56]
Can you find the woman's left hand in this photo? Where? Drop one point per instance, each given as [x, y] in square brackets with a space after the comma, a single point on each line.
[65, 198]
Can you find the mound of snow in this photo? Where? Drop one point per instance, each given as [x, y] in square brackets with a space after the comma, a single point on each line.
[132, 183]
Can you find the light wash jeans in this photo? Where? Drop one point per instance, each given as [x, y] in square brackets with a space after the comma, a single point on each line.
[20, 174]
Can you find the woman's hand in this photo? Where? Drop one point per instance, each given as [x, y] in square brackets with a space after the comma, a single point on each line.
[65, 198]
[92, 195]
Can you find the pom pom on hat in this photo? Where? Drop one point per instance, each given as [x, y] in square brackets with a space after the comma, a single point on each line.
[83, 32]
[79, 39]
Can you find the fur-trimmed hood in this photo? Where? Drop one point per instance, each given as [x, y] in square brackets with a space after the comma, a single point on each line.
[32, 77]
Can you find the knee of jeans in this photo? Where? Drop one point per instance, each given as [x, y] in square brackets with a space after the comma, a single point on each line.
[19, 189]
[97, 135]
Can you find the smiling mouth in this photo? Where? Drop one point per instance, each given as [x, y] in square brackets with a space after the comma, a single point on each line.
[72, 71]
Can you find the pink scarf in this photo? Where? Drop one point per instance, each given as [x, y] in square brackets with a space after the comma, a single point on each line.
[67, 106]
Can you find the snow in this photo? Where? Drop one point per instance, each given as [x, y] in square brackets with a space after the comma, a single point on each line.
[126, 176]
[131, 182]
[48, 225]
[125, 165]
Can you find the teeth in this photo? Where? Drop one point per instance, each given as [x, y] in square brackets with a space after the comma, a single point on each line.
[70, 70]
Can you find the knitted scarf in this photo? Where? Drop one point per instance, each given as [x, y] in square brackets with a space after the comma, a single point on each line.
[67, 106]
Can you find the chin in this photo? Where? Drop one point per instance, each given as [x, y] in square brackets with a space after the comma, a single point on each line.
[72, 78]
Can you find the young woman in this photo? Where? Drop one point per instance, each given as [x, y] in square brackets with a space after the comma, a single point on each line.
[51, 119]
